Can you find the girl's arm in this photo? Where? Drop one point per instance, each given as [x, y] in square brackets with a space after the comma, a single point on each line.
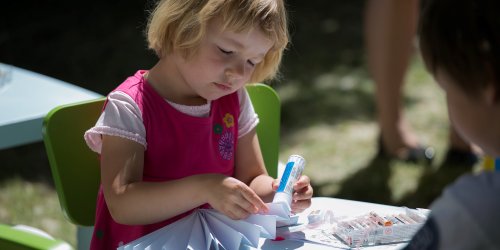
[250, 168]
[132, 201]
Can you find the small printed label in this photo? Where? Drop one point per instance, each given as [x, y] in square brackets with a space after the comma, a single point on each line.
[286, 175]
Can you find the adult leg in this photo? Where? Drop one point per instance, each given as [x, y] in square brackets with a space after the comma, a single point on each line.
[390, 27]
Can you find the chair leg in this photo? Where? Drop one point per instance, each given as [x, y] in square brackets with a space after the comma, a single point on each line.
[83, 237]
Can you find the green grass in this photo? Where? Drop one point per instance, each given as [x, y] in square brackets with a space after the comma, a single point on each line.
[328, 120]
[36, 205]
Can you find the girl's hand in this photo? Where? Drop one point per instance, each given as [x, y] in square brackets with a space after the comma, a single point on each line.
[233, 198]
[302, 194]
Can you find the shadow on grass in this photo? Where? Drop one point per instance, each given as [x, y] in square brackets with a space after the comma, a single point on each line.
[369, 184]
[317, 106]
[28, 162]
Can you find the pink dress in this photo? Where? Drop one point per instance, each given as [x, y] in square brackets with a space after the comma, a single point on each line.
[179, 145]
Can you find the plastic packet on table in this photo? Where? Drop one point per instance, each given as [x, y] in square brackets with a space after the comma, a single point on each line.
[316, 228]
[375, 229]
[319, 217]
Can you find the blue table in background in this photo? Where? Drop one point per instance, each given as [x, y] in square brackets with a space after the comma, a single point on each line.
[25, 98]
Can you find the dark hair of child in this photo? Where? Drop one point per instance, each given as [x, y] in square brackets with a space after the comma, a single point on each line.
[473, 29]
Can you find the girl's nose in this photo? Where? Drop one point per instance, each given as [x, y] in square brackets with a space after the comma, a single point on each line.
[236, 71]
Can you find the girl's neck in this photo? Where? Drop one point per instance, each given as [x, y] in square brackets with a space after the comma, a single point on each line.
[169, 84]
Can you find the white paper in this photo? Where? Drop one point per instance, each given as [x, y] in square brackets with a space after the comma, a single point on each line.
[280, 210]
[209, 229]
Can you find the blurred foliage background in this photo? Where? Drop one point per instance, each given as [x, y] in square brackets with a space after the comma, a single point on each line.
[328, 112]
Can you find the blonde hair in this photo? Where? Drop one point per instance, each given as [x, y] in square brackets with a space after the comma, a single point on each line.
[181, 25]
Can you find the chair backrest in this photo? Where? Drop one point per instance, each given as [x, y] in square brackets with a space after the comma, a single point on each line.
[268, 107]
[75, 168]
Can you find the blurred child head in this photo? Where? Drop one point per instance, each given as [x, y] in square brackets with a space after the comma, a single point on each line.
[459, 42]
[182, 24]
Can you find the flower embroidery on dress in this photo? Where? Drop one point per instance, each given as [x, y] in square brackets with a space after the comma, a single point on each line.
[228, 120]
[218, 129]
[99, 233]
[226, 146]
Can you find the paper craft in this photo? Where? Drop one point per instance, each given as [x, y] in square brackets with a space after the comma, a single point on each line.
[284, 216]
[209, 229]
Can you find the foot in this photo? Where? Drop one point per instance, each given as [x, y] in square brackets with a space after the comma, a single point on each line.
[459, 157]
[399, 142]
[418, 154]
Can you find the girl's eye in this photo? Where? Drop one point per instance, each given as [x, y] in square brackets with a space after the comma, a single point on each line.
[227, 52]
[251, 63]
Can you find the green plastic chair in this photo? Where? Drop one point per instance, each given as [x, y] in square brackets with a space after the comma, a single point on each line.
[75, 168]
[267, 105]
[14, 238]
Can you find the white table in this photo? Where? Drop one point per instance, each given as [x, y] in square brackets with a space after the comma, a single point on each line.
[340, 207]
[25, 98]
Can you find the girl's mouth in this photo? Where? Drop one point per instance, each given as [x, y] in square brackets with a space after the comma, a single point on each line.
[222, 86]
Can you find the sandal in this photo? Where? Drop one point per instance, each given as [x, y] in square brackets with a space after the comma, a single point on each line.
[460, 157]
[420, 154]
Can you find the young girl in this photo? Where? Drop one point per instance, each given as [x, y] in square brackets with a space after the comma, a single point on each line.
[182, 135]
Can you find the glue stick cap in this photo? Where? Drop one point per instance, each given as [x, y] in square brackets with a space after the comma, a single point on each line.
[298, 159]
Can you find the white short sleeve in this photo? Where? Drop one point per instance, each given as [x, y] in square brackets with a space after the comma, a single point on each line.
[121, 117]
[248, 119]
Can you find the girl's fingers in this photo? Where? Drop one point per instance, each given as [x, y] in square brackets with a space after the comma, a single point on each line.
[256, 204]
[238, 213]
[300, 205]
[303, 189]
[303, 194]
[275, 184]
[303, 181]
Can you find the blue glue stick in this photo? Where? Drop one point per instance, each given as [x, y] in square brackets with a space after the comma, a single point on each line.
[292, 173]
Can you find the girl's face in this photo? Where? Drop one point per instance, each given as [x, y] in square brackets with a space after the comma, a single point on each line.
[224, 61]
[476, 119]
